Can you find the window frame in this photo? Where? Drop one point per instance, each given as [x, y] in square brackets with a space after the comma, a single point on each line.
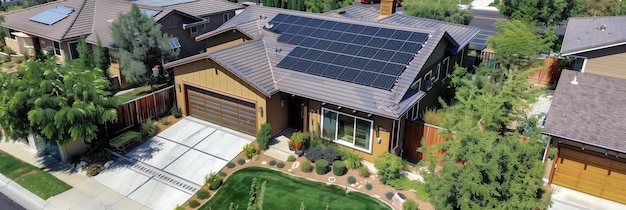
[344, 142]
[436, 77]
[414, 111]
[446, 62]
[428, 77]
[417, 84]
[69, 48]
[227, 17]
[192, 29]
[56, 46]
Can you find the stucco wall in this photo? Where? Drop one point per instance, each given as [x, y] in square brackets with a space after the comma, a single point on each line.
[277, 113]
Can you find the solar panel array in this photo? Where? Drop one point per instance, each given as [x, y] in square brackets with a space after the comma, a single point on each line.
[365, 55]
[53, 15]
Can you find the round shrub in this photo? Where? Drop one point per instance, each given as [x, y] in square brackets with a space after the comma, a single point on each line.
[339, 168]
[291, 158]
[389, 167]
[230, 165]
[280, 164]
[202, 194]
[272, 162]
[368, 186]
[351, 180]
[306, 167]
[213, 180]
[241, 161]
[410, 205]
[221, 173]
[194, 203]
[389, 195]
[321, 166]
[364, 172]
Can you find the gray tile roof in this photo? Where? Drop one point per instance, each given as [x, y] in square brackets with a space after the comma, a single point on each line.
[205, 7]
[590, 33]
[18, 20]
[592, 112]
[391, 104]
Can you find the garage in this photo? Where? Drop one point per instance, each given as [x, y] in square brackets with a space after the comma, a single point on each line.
[591, 174]
[230, 112]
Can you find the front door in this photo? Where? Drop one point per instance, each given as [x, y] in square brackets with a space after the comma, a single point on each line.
[296, 113]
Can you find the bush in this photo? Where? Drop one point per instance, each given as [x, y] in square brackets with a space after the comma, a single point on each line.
[8, 50]
[264, 135]
[176, 112]
[230, 165]
[255, 157]
[410, 205]
[351, 159]
[364, 171]
[148, 128]
[5, 58]
[194, 203]
[291, 158]
[250, 150]
[339, 168]
[221, 173]
[351, 180]
[434, 116]
[18, 59]
[213, 180]
[321, 167]
[280, 164]
[389, 195]
[272, 162]
[202, 194]
[389, 167]
[326, 153]
[164, 121]
[368, 186]
[306, 166]
[241, 161]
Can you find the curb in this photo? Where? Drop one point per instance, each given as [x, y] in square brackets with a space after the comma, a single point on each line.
[21, 195]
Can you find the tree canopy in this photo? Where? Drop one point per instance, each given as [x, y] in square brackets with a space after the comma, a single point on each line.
[444, 10]
[321, 6]
[604, 8]
[139, 45]
[541, 12]
[518, 43]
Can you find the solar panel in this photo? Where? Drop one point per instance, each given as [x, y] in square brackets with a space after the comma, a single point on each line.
[296, 40]
[308, 42]
[48, 17]
[312, 54]
[365, 78]
[348, 75]
[393, 69]
[384, 81]
[287, 62]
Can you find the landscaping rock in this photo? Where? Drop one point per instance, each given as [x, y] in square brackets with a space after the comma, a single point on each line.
[263, 162]
[295, 165]
[376, 196]
[331, 179]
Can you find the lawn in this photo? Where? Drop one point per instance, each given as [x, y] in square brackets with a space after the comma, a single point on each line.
[39, 182]
[287, 192]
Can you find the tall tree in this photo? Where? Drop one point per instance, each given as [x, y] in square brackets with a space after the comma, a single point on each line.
[444, 10]
[139, 45]
[485, 165]
[59, 103]
[518, 44]
[541, 12]
[604, 8]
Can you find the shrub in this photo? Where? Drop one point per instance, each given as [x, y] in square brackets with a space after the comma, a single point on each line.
[255, 157]
[213, 180]
[250, 150]
[321, 167]
[306, 166]
[264, 135]
[339, 168]
[148, 128]
[280, 164]
[326, 153]
[221, 173]
[434, 116]
[8, 50]
[410, 205]
[202, 194]
[272, 162]
[5, 58]
[194, 203]
[241, 161]
[368, 186]
[230, 165]
[176, 112]
[389, 167]
[351, 159]
[351, 180]
[164, 121]
[389, 195]
[291, 158]
[18, 59]
[364, 171]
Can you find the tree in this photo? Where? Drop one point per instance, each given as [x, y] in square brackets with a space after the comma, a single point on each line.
[518, 44]
[485, 165]
[321, 6]
[541, 12]
[444, 10]
[139, 45]
[59, 103]
[604, 8]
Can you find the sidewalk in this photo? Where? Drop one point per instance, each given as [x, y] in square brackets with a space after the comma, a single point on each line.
[85, 193]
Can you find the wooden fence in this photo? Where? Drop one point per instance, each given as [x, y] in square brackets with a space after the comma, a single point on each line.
[547, 75]
[414, 133]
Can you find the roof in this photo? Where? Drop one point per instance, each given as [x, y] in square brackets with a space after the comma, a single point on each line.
[202, 8]
[592, 33]
[18, 20]
[262, 61]
[591, 112]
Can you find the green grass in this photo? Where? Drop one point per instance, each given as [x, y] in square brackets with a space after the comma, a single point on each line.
[39, 182]
[405, 184]
[125, 137]
[138, 92]
[284, 191]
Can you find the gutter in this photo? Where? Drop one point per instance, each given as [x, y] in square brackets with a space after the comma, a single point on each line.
[582, 142]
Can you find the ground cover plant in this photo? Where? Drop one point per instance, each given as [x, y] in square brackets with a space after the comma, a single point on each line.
[39, 182]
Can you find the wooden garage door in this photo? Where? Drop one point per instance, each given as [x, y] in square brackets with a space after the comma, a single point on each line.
[590, 179]
[222, 110]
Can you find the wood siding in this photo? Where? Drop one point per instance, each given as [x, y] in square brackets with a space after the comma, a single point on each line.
[135, 112]
[609, 62]
[548, 74]
[414, 134]
[277, 113]
[225, 39]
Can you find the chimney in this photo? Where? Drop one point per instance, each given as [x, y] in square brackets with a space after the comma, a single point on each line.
[387, 7]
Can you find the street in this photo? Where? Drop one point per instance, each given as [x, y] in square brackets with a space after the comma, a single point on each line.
[7, 204]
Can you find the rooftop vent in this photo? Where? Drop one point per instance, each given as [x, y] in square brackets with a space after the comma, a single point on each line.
[602, 28]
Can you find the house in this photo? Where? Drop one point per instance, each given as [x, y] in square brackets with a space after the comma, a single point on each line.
[351, 80]
[587, 116]
[60, 24]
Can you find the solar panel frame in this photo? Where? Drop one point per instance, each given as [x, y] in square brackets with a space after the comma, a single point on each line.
[384, 81]
[339, 26]
[312, 54]
[48, 17]
[348, 74]
[67, 10]
[365, 78]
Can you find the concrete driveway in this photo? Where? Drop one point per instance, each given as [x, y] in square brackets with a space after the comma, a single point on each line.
[167, 169]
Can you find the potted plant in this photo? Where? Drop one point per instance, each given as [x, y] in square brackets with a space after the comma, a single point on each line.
[297, 139]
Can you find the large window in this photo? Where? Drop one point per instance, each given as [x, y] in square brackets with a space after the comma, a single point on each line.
[347, 130]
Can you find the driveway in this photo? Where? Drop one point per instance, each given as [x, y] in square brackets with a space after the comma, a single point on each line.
[167, 169]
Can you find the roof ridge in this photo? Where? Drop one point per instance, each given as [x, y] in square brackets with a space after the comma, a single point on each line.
[269, 63]
[77, 15]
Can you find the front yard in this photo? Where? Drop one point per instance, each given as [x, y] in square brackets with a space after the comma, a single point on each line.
[35, 180]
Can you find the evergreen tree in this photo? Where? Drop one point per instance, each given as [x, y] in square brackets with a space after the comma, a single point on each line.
[101, 58]
[444, 10]
[518, 44]
[604, 8]
[544, 13]
[85, 56]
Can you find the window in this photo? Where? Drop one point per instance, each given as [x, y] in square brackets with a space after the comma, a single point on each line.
[227, 17]
[73, 47]
[347, 130]
[446, 67]
[428, 81]
[194, 30]
[203, 27]
[437, 73]
[174, 43]
[414, 111]
[57, 48]
[417, 84]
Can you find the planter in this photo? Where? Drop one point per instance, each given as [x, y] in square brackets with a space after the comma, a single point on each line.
[291, 145]
[297, 145]
[93, 170]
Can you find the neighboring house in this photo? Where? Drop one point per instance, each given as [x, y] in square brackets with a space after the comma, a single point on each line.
[60, 24]
[587, 116]
[352, 80]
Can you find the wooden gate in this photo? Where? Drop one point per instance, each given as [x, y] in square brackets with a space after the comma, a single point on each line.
[547, 75]
[414, 133]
